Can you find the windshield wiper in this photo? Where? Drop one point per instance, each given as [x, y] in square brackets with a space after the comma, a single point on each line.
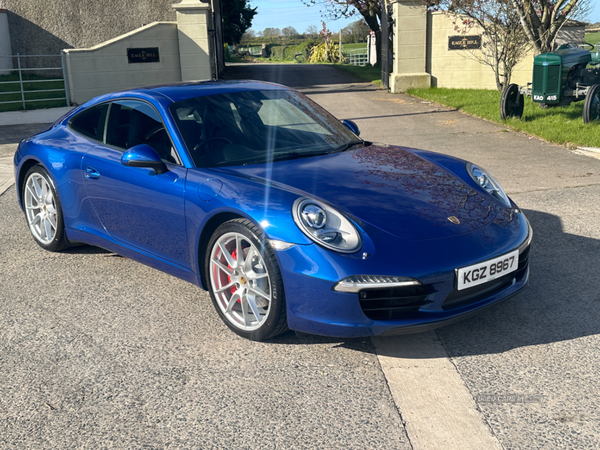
[343, 148]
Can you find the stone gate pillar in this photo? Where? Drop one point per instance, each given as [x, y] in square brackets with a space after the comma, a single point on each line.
[410, 46]
[193, 23]
[6, 63]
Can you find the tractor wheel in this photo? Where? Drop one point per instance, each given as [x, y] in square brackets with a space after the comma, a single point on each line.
[591, 107]
[512, 102]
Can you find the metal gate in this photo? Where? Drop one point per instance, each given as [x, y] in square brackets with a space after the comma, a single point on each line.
[36, 79]
[357, 57]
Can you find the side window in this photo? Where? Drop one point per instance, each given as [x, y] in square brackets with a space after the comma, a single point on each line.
[132, 123]
[90, 122]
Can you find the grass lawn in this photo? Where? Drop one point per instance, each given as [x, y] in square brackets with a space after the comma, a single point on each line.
[561, 125]
[7, 93]
[354, 46]
[592, 38]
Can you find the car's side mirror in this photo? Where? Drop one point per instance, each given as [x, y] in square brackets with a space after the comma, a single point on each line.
[144, 156]
[351, 126]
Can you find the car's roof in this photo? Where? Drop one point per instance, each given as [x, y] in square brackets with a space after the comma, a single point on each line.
[185, 90]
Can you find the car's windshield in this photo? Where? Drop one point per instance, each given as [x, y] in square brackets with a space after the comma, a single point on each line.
[255, 127]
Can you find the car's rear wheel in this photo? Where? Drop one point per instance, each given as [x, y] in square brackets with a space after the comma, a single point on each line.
[43, 210]
[245, 282]
[591, 107]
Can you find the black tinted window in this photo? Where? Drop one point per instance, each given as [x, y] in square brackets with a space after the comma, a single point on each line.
[133, 123]
[256, 127]
[90, 122]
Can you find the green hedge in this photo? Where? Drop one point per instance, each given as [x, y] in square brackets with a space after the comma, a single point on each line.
[287, 52]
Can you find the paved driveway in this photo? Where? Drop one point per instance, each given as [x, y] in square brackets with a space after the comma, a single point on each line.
[97, 351]
[531, 363]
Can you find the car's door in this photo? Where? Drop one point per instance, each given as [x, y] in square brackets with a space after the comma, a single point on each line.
[136, 206]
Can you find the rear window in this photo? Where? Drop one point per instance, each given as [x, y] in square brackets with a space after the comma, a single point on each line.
[90, 122]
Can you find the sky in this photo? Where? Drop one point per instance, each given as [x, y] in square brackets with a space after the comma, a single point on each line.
[284, 13]
[595, 14]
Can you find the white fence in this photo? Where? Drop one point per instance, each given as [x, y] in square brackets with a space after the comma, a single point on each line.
[252, 51]
[29, 78]
[357, 57]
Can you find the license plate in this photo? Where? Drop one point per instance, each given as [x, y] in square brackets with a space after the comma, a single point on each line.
[489, 270]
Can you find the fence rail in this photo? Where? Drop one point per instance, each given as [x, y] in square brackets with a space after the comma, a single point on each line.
[24, 83]
[357, 57]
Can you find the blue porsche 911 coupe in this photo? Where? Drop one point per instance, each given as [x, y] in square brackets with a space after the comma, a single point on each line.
[291, 221]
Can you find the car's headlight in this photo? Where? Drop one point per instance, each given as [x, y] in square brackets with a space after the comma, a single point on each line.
[325, 226]
[485, 179]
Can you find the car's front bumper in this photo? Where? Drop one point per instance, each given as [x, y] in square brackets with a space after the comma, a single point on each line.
[310, 273]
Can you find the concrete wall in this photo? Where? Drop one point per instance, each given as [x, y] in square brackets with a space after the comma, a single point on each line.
[415, 29]
[571, 35]
[47, 27]
[459, 68]
[105, 67]
[5, 49]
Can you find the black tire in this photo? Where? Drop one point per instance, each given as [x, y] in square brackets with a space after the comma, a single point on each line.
[233, 288]
[512, 102]
[591, 107]
[44, 216]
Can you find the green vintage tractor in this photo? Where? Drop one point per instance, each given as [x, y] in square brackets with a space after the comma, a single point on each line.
[559, 78]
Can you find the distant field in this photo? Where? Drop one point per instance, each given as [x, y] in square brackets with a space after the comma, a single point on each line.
[592, 38]
[354, 46]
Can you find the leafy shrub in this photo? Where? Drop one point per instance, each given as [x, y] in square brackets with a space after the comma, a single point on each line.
[288, 52]
[319, 54]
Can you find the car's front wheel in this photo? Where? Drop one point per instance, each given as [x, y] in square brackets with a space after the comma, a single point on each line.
[244, 281]
[43, 210]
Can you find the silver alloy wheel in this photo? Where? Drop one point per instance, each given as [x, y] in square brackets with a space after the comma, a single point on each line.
[40, 208]
[240, 281]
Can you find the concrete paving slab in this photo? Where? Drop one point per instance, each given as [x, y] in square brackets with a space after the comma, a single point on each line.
[33, 116]
[10, 136]
[100, 351]
[438, 410]
[7, 174]
[530, 363]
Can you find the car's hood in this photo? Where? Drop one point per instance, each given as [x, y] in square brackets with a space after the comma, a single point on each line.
[388, 187]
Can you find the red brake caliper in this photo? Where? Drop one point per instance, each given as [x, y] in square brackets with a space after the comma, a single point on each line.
[232, 289]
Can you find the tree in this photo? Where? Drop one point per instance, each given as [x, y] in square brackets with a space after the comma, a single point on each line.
[289, 32]
[312, 32]
[356, 31]
[271, 32]
[237, 18]
[542, 19]
[370, 10]
[504, 41]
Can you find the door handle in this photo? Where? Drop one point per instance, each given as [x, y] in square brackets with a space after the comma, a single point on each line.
[91, 173]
